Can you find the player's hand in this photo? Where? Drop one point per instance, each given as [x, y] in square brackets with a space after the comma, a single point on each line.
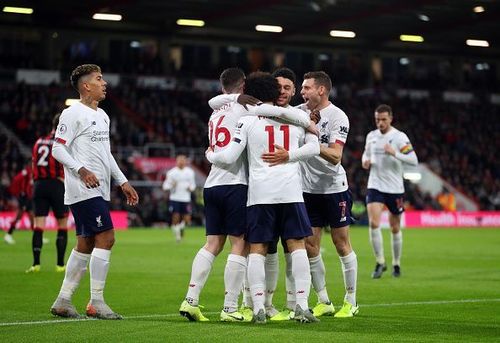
[280, 155]
[245, 100]
[209, 149]
[312, 128]
[389, 149]
[315, 116]
[88, 178]
[366, 164]
[130, 193]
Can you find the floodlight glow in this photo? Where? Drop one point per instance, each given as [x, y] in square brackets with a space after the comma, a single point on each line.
[18, 10]
[342, 34]
[190, 22]
[412, 176]
[70, 102]
[107, 16]
[423, 17]
[478, 9]
[412, 38]
[477, 42]
[269, 28]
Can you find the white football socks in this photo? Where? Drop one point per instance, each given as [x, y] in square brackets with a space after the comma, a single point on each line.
[302, 275]
[289, 283]
[272, 270]
[377, 244]
[75, 269]
[202, 264]
[397, 247]
[234, 273]
[318, 275]
[350, 270]
[257, 280]
[99, 266]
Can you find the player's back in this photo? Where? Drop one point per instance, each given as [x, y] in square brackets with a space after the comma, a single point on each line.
[221, 128]
[280, 183]
[45, 166]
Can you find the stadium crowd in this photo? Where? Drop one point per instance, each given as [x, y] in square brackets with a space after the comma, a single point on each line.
[453, 139]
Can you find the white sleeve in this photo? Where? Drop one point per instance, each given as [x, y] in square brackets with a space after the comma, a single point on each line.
[340, 130]
[309, 149]
[405, 152]
[220, 100]
[61, 154]
[168, 183]
[192, 184]
[367, 152]
[116, 173]
[292, 115]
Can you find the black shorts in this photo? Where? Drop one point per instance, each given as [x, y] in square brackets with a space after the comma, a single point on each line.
[92, 216]
[49, 194]
[25, 203]
[329, 209]
[394, 202]
[226, 210]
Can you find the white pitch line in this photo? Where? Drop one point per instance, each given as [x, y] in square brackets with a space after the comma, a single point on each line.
[410, 303]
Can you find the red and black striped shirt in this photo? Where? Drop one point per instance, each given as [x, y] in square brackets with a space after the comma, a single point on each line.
[44, 165]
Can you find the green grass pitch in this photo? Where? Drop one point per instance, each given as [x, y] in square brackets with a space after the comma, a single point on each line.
[449, 291]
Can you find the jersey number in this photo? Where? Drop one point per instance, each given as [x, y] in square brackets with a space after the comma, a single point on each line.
[43, 152]
[218, 131]
[286, 136]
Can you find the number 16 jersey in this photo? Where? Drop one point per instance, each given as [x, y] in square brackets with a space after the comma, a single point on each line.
[221, 128]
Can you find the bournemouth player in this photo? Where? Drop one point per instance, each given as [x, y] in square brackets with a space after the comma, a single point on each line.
[386, 151]
[48, 193]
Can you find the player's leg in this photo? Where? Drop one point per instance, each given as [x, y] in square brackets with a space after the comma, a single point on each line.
[61, 242]
[8, 236]
[397, 243]
[272, 272]
[296, 226]
[349, 262]
[36, 244]
[375, 205]
[176, 222]
[61, 213]
[257, 279]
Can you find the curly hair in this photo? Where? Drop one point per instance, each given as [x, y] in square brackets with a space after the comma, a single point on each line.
[285, 73]
[262, 86]
[82, 70]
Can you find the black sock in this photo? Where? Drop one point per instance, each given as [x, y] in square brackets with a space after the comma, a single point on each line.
[12, 228]
[61, 243]
[36, 245]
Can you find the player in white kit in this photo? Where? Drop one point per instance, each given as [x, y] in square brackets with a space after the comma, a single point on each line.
[386, 151]
[275, 205]
[180, 182]
[225, 196]
[327, 196]
[82, 145]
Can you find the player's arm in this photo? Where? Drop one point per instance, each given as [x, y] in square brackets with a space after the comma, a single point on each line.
[169, 183]
[234, 150]
[223, 99]
[404, 152]
[192, 182]
[366, 158]
[280, 155]
[291, 115]
[333, 152]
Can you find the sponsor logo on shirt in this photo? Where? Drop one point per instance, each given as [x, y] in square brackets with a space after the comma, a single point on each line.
[100, 136]
[324, 139]
[344, 130]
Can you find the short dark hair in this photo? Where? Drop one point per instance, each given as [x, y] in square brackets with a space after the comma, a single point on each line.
[262, 86]
[82, 70]
[285, 73]
[320, 78]
[231, 78]
[55, 121]
[384, 108]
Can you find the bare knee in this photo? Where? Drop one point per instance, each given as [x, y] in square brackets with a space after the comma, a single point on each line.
[105, 240]
[340, 238]
[312, 247]
[215, 244]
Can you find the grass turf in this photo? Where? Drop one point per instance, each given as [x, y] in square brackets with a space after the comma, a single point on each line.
[449, 290]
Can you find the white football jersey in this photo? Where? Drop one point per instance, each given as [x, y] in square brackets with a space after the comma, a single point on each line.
[85, 134]
[180, 183]
[386, 171]
[221, 127]
[277, 184]
[318, 175]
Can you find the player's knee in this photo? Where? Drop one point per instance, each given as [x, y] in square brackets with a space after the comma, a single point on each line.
[214, 247]
[312, 249]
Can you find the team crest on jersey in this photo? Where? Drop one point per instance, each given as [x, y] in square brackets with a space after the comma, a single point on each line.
[62, 128]
[99, 221]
